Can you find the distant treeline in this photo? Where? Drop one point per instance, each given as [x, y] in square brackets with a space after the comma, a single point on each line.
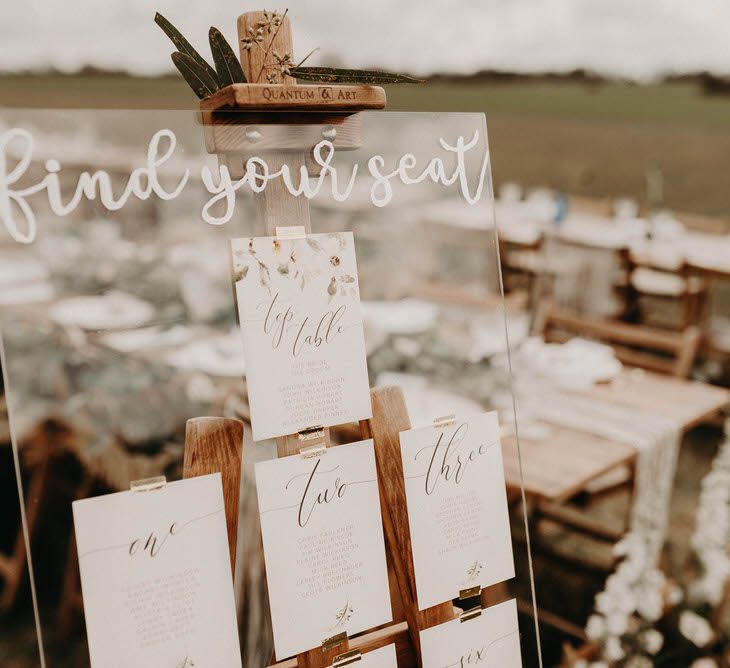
[710, 84]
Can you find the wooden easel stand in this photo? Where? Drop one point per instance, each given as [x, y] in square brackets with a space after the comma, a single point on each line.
[288, 138]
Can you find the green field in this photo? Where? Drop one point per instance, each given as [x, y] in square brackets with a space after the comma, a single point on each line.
[592, 139]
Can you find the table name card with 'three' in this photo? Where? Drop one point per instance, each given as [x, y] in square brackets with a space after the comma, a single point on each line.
[323, 545]
[457, 507]
[156, 576]
[491, 638]
[301, 321]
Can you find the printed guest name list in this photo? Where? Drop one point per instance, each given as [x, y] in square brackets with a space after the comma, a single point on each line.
[301, 321]
[457, 507]
[324, 546]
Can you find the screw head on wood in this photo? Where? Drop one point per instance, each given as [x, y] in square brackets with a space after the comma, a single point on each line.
[253, 134]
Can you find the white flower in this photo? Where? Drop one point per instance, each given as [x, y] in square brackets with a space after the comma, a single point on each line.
[651, 640]
[617, 624]
[695, 628]
[612, 650]
[650, 606]
[639, 661]
[604, 603]
[674, 595]
[704, 662]
[596, 627]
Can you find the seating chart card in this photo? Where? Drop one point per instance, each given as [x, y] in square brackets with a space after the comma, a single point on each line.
[383, 657]
[323, 544]
[156, 577]
[457, 507]
[491, 639]
[301, 321]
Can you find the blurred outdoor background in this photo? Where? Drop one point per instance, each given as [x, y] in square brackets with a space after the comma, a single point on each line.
[609, 132]
[583, 97]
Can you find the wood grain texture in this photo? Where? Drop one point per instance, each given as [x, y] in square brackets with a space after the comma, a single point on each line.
[557, 470]
[256, 62]
[288, 137]
[372, 640]
[300, 98]
[390, 417]
[635, 345]
[277, 206]
[215, 445]
[229, 132]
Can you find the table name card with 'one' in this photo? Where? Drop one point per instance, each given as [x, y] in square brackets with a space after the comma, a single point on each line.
[323, 544]
[489, 640]
[301, 322]
[156, 576]
[457, 507]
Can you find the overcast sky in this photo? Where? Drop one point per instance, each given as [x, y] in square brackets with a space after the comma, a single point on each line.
[639, 39]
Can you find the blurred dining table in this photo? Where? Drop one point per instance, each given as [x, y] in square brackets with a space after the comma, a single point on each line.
[567, 447]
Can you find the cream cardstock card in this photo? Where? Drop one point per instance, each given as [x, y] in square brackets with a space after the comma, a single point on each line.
[491, 640]
[323, 545]
[301, 321]
[156, 577]
[457, 507]
[383, 657]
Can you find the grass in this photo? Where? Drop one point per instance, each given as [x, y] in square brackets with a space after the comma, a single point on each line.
[589, 139]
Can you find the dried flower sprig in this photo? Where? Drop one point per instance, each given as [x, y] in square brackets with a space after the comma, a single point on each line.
[206, 80]
[270, 22]
[201, 77]
[254, 38]
[339, 75]
[284, 63]
[273, 31]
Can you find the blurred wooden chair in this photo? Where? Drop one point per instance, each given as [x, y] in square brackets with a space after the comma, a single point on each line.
[40, 451]
[671, 300]
[657, 350]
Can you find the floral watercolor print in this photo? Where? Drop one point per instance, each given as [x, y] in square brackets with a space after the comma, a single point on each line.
[156, 577]
[323, 544]
[301, 321]
[490, 639]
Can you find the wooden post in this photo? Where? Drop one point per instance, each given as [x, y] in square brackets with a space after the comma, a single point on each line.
[288, 137]
[276, 206]
[212, 445]
[257, 62]
[390, 417]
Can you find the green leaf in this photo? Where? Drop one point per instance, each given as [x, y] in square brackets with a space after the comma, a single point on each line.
[183, 46]
[226, 64]
[337, 75]
[198, 78]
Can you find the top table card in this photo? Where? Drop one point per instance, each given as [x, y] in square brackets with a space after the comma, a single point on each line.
[457, 507]
[156, 577]
[301, 320]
